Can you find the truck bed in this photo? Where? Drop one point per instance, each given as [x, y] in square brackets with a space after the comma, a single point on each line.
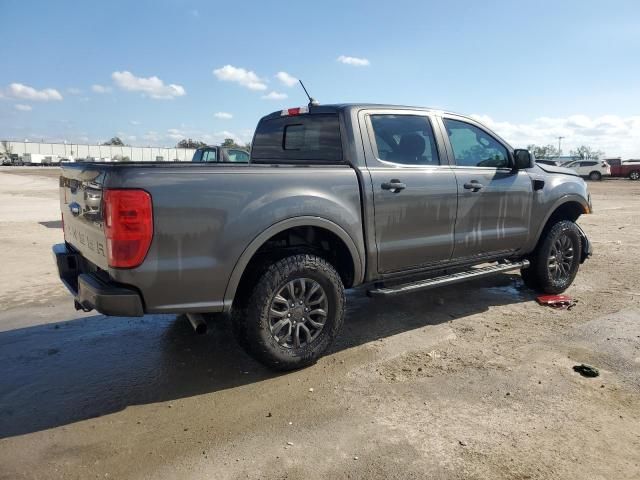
[204, 217]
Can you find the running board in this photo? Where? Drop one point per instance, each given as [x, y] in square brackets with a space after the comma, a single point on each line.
[447, 279]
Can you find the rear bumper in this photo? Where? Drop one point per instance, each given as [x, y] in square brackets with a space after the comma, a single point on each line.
[91, 291]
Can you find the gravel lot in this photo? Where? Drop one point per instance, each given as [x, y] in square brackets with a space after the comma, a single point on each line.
[466, 382]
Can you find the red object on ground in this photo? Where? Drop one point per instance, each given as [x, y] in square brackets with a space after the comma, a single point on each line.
[556, 301]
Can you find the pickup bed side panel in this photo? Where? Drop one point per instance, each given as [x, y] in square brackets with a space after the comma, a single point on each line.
[204, 219]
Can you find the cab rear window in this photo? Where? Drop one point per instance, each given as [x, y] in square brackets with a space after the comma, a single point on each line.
[298, 139]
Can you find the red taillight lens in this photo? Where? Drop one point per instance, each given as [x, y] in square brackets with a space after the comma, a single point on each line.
[128, 226]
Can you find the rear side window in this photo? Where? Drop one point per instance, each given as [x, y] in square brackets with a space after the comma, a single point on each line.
[238, 156]
[298, 139]
[405, 139]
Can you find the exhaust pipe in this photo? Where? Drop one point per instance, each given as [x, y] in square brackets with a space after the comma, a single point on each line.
[197, 322]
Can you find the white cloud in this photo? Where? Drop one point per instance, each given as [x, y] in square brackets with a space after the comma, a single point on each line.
[152, 86]
[355, 61]
[243, 77]
[615, 135]
[100, 89]
[74, 91]
[176, 134]
[275, 96]
[25, 92]
[286, 79]
[134, 122]
[23, 108]
[152, 136]
[223, 115]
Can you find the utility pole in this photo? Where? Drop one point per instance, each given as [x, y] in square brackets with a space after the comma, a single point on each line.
[560, 146]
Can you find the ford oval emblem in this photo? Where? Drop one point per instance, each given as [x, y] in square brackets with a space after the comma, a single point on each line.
[75, 208]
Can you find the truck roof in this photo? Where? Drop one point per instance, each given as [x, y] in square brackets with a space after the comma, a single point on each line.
[337, 107]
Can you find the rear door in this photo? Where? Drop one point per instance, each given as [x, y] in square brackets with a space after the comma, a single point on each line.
[494, 201]
[414, 190]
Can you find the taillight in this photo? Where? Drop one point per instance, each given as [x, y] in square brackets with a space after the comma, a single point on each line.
[128, 226]
[292, 112]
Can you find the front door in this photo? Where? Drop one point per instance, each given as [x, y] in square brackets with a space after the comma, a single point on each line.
[494, 201]
[414, 191]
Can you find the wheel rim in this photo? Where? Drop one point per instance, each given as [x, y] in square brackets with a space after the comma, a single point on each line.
[298, 313]
[635, 175]
[561, 258]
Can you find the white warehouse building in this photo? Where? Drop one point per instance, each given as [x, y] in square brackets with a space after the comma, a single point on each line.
[74, 151]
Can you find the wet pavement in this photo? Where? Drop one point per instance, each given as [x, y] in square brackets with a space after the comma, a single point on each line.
[70, 366]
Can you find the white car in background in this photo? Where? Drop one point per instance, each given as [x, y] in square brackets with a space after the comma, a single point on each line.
[592, 169]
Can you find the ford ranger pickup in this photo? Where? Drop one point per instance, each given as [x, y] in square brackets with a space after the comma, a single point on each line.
[392, 199]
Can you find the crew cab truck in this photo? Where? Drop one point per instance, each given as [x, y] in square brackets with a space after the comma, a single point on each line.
[393, 199]
[625, 168]
[219, 154]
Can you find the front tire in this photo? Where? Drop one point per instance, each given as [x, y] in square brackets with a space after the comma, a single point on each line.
[597, 176]
[293, 313]
[555, 262]
[634, 175]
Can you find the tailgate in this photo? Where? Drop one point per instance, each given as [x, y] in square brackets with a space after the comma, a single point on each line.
[81, 206]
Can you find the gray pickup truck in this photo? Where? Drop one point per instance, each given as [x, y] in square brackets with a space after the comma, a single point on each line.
[392, 199]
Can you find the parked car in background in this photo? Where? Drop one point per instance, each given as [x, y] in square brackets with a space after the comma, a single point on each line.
[40, 159]
[544, 161]
[592, 169]
[217, 154]
[397, 199]
[625, 168]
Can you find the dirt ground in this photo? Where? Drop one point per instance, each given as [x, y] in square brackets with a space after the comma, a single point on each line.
[466, 382]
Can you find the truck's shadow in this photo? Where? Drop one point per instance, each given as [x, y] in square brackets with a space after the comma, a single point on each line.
[60, 373]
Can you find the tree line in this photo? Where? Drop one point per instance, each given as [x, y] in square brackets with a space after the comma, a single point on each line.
[186, 143]
[583, 152]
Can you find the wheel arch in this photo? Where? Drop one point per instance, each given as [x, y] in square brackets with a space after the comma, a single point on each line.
[569, 207]
[291, 224]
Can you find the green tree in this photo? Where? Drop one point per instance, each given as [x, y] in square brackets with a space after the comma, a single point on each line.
[189, 143]
[586, 153]
[7, 148]
[115, 141]
[230, 143]
[543, 151]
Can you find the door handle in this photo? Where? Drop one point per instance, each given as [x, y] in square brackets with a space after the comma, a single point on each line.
[394, 186]
[473, 185]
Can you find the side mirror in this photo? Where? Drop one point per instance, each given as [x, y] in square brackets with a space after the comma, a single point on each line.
[522, 159]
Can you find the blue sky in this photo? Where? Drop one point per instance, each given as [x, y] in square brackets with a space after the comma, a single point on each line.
[85, 71]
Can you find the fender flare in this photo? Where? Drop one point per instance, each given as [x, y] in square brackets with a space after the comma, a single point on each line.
[558, 203]
[306, 221]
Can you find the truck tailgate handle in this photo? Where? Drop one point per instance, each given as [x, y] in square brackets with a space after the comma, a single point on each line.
[393, 185]
[473, 185]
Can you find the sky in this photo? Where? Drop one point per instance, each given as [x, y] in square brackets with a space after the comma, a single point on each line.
[154, 72]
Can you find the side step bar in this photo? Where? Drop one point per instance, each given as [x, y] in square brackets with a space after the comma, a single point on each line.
[443, 280]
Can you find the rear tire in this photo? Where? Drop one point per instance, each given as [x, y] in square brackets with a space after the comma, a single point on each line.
[293, 313]
[597, 176]
[555, 262]
[634, 175]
